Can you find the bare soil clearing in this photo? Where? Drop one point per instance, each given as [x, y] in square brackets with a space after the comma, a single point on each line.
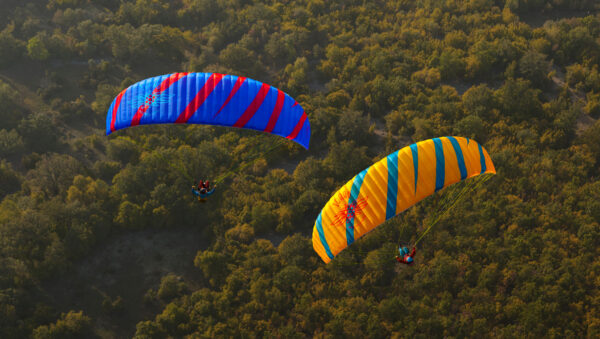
[127, 266]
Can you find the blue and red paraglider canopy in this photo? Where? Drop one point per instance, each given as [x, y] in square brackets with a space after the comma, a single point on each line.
[212, 99]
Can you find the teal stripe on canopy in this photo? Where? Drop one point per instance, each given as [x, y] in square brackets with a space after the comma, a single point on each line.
[440, 164]
[392, 191]
[414, 149]
[481, 158]
[351, 208]
[322, 237]
[459, 157]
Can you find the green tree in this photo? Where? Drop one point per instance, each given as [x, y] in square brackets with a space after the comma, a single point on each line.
[10, 47]
[171, 286]
[10, 142]
[518, 100]
[346, 159]
[239, 58]
[480, 101]
[534, 67]
[40, 132]
[70, 325]
[213, 266]
[54, 173]
[10, 181]
[36, 49]
[452, 64]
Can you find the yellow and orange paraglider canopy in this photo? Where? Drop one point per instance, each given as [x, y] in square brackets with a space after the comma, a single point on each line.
[392, 185]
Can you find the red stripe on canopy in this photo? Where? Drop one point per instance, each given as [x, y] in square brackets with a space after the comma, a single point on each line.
[235, 88]
[200, 97]
[254, 106]
[161, 88]
[298, 127]
[276, 112]
[115, 109]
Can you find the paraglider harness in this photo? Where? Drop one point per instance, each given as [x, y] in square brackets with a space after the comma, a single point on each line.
[405, 256]
[203, 191]
[446, 205]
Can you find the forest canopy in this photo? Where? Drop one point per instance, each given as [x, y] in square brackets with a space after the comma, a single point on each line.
[100, 236]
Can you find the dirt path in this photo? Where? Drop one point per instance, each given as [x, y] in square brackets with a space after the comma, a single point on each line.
[27, 98]
[584, 120]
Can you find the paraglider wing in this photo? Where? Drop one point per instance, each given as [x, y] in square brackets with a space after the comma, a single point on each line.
[209, 98]
[392, 185]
